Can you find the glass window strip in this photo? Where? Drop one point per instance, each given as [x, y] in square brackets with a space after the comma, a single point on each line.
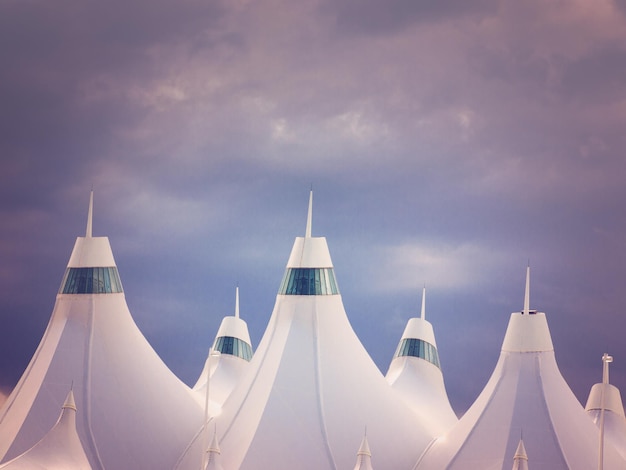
[318, 283]
[308, 281]
[325, 281]
[282, 284]
[234, 347]
[333, 282]
[418, 348]
[106, 280]
[91, 281]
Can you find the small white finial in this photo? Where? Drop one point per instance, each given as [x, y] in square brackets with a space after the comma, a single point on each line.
[364, 448]
[309, 218]
[606, 359]
[69, 401]
[89, 216]
[214, 446]
[527, 293]
[237, 302]
[364, 455]
[520, 460]
[423, 313]
[213, 454]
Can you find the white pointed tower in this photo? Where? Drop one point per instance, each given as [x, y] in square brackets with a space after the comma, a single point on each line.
[311, 385]
[134, 412]
[607, 397]
[525, 392]
[59, 449]
[213, 455]
[364, 456]
[520, 459]
[233, 343]
[415, 372]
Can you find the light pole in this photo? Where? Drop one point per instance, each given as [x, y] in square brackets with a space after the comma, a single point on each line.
[205, 434]
[606, 359]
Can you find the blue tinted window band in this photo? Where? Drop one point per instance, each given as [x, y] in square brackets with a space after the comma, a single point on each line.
[234, 347]
[418, 348]
[91, 281]
[309, 281]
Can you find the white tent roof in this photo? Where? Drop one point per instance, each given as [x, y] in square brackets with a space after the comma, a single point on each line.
[606, 396]
[134, 412]
[302, 400]
[526, 393]
[311, 386]
[234, 345]
[59, 449]
[415, 373]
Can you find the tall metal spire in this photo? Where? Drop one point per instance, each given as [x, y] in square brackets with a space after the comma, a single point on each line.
[527, 293]
[89, 216]
[423, 313]
[237, 302]
[309, 218]
[606, 359]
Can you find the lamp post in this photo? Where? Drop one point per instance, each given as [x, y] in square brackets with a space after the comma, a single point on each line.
[205, 441]
[606, 359]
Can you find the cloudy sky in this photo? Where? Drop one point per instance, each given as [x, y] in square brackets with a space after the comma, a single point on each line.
[448, 143]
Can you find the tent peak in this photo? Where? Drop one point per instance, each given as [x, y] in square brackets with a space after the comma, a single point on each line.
[88, 232]
[364, 448]
[526, 310]
[214, 447]
[70, 403]
[520, 460]
[309, 218]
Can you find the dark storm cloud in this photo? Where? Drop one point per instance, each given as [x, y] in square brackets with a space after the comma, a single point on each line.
[372, 16]
[52, 54]
[597, 77]
[52, 136]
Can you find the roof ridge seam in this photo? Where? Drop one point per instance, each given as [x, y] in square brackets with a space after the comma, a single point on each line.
[482, 413]
[87, 389]
[318, 386]
[544, 401]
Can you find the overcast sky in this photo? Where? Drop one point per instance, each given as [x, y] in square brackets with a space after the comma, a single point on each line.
[448, 143]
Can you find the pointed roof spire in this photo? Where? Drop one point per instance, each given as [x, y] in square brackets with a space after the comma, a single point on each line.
[213, 454]
[309, 251]
[364, 449]
[214, 446]
[364, 455]
[520, 460]
[60, 447]
[89, 216]
[237, 302]
[527, 293]
[70, 403]
[309, 218]
[423, 312]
